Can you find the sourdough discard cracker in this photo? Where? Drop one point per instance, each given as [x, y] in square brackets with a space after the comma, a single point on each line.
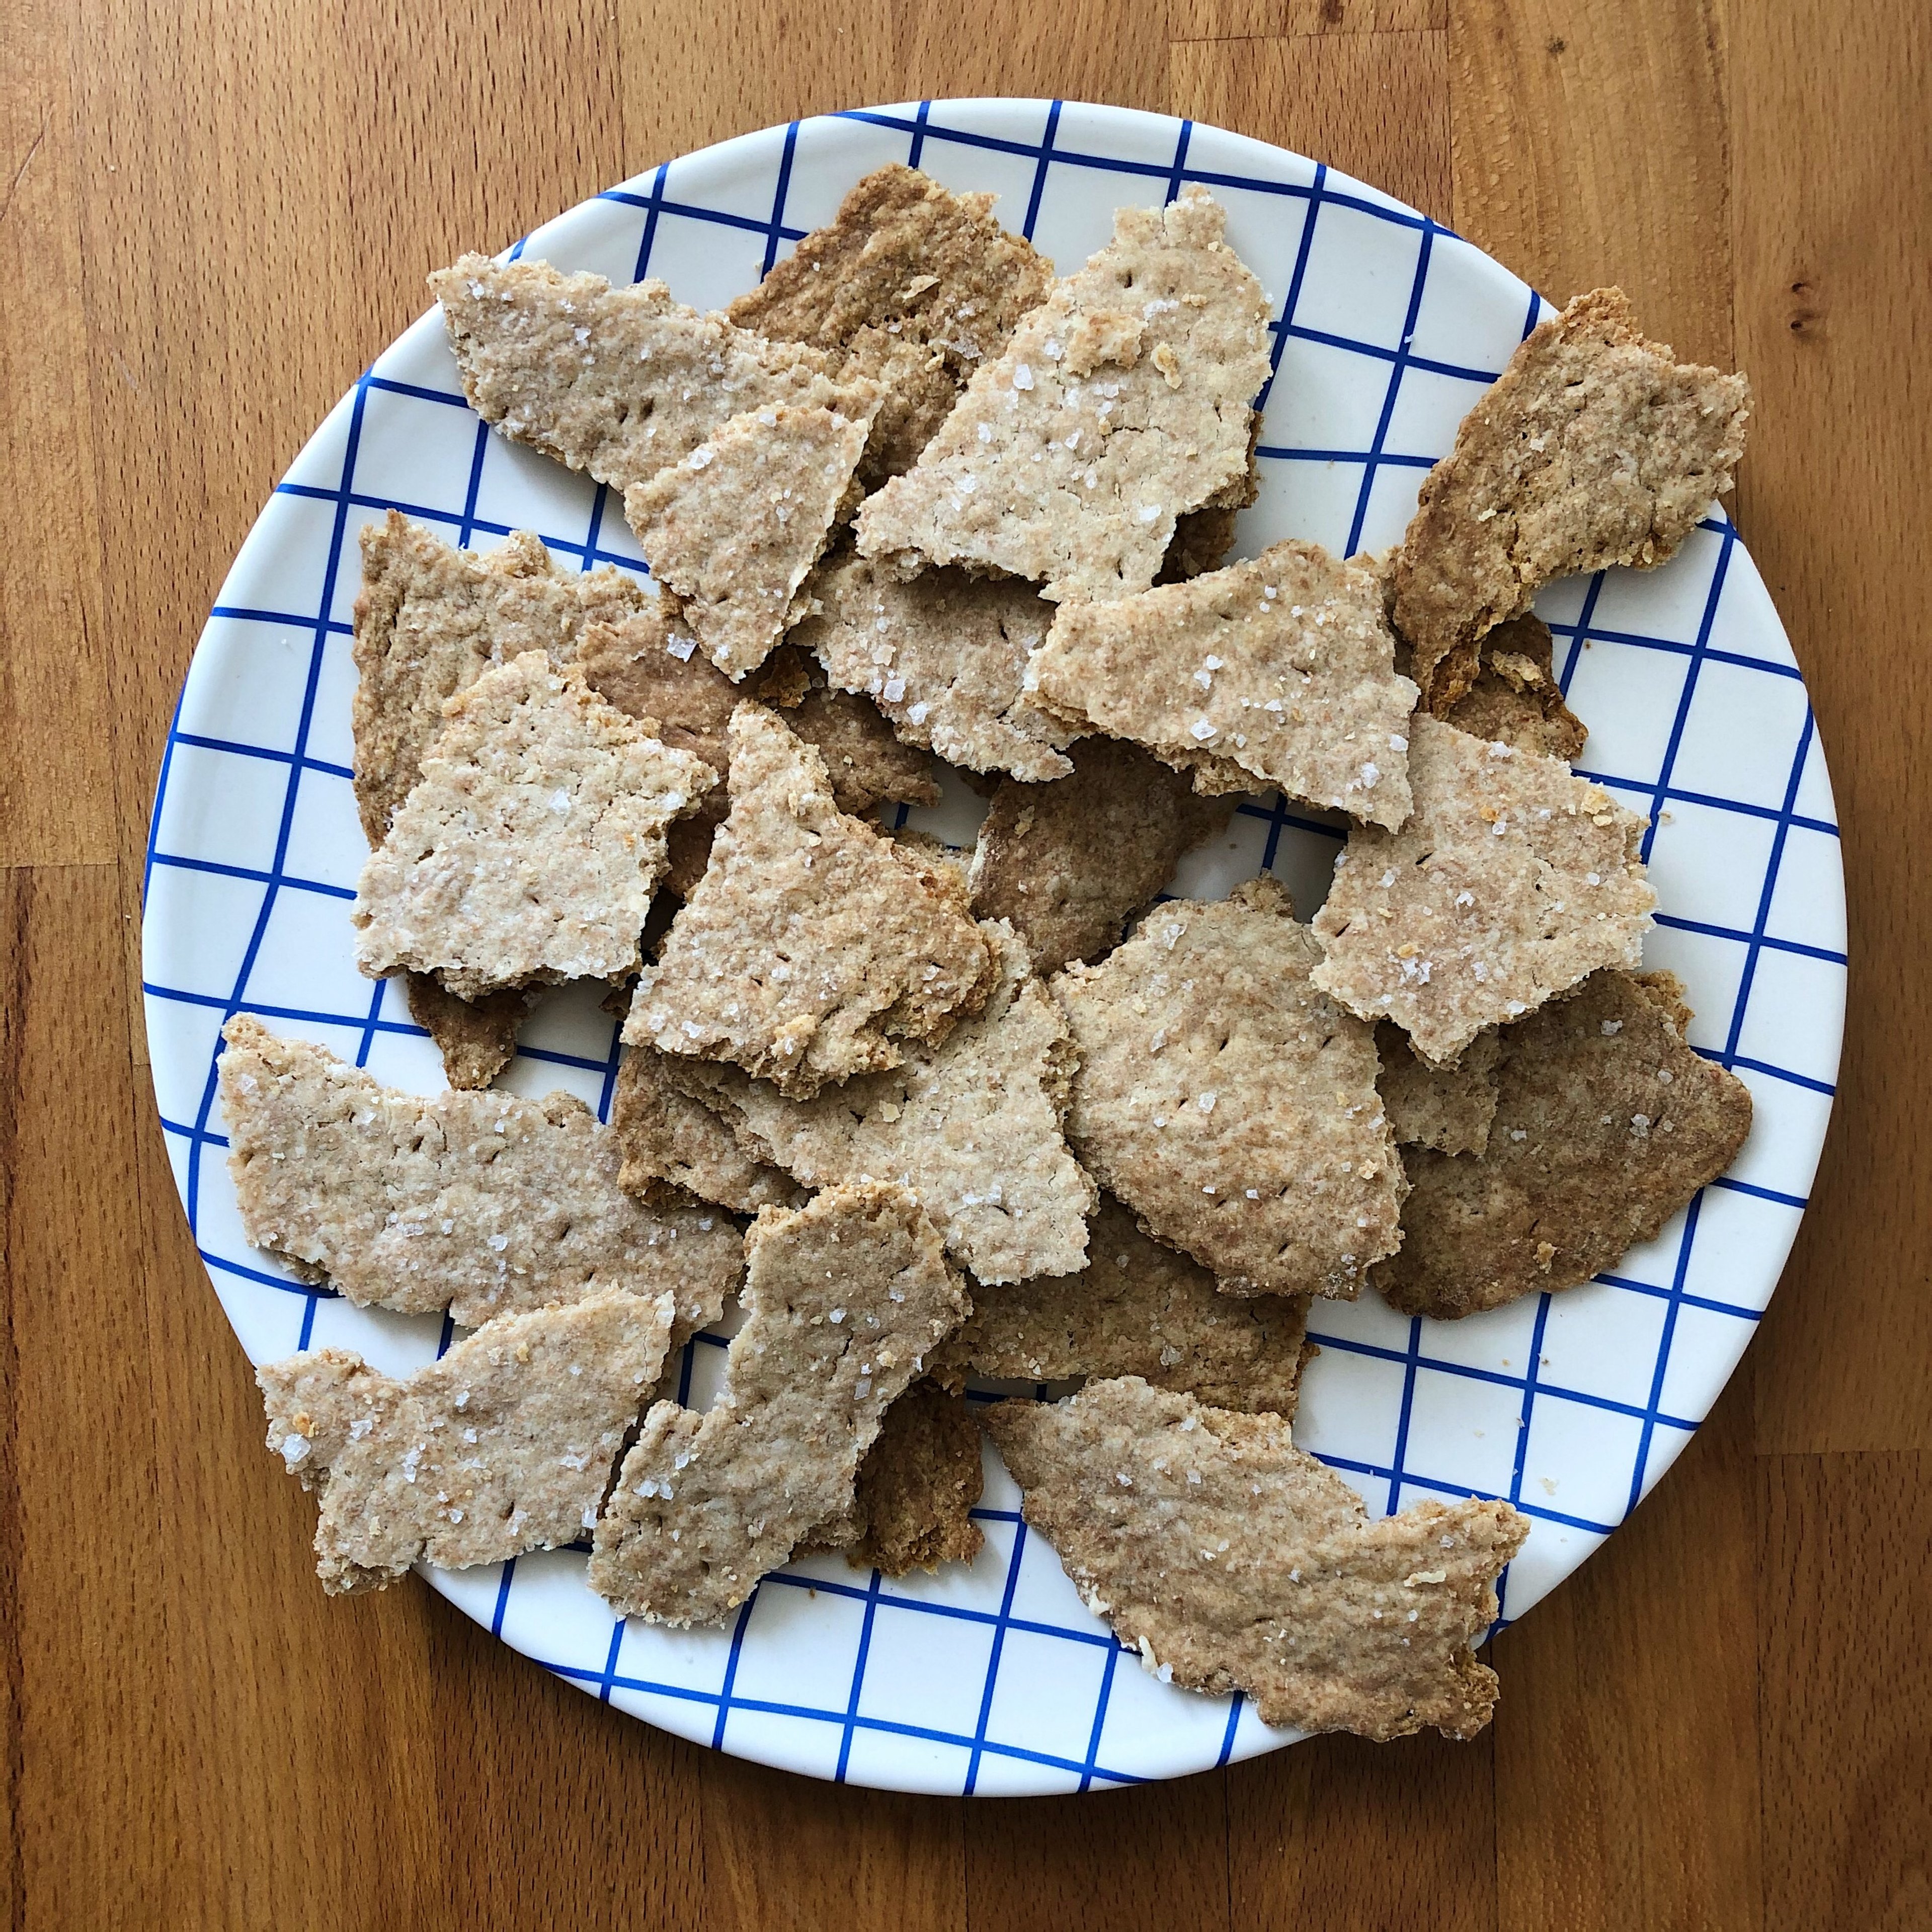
[1230, 1103]
[810, 950]
[917, 285]
[843, 1301]
[1593, 448]
[483, 1203]
[477, 1038]
[1513, 880]
[1138, 1308]
[675, 1146]
[529, 847]
[1069, 862]
[1232, 1560]
[1515, 698]
[1446, 1108]
[1276, 673]
[972, 1125]
[944, 657]
[617, 381]
[1606, 1124]
[734, 525]
[506, 1444]
[917, 1488]
[1122, 402]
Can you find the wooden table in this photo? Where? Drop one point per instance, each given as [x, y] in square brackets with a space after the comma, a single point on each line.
[215, 214]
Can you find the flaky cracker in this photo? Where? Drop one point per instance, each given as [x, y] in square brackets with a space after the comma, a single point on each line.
[676, 1146]
[483, 1203]
[810, 950]
[944, 657]
[1230, 1104]
[972, 1125]
[1138, 1308]
[1512, 881]
[1606, 1123]
[734, 525]
[477, 1038]
[1148, 362]
[917, 1486]
[1232, 1560]
[1447, 1108]
[1276, 673]
[1515, 698]
[843, 1300]
[1069, 862]
[1593, 448]
[529, 849]
[616, 381]
[506, 1444]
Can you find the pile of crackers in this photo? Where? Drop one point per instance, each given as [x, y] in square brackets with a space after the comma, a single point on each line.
[925, 1115]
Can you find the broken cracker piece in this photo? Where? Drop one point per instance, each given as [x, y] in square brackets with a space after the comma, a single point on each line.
[1512, 881]
[477, 1038]
[1202, 539]
[1138, 1308]
[810, 950]
[1276, 673]
[1131, 384]
[616, 382]
[1593, 448]
[483, 1203]
[843, 1301]
[675, 1148]
[1069, 862]
[505, 1444]
[734, 527]
[944, 657]
[1449, 1108]
[972, 1125]
[1606, 1124]
[1516, 699]
[1230, 1103]
[912, 1509]
[529, 849]
[868, 764]
[1232, 1560]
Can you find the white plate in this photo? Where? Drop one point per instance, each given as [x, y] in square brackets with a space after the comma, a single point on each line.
[996, 1678]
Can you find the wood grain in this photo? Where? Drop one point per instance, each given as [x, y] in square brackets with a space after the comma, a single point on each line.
[212, 215]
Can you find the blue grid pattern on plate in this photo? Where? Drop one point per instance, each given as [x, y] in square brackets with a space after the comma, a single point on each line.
[1369, 1388]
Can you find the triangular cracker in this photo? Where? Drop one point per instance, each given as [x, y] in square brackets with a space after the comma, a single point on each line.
[506, 1444]
[483, 1203]
[1232, 1560]
[1606, 1124]
[1231, 1104]
[735, 527]
[810, 949]
[477, 1038]
[616, 381]
[972, 1125]
[944, 657]
[1593, 448]
[529, 849]
[843, 1301]
[1122, 402]
[1069, 862]
[1276, 673]
[1513, 880]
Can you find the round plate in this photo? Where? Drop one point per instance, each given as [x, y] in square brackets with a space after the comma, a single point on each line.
[996, 1678]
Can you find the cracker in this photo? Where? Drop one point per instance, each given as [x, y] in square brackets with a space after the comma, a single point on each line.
[1447, 1108]
[734, 525]
[944, 657]
[868, 765]
[1202, 539]
[1593, 448]
[917, 1488]
[529, 849]
[1229, 1102]
[1513, 880]
[483, 1203]
[1516, 699]
[810, 950]
[505, 1445]
[843, 1301]
[973, 1125]
[916, 284]
[1147, 360]
[1138, 1308]
[1278, 672]
[1068, 862]
[616, 381]
[675, 1146]
[1606, 1123]
[1232, 1560]
[477, 1038]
